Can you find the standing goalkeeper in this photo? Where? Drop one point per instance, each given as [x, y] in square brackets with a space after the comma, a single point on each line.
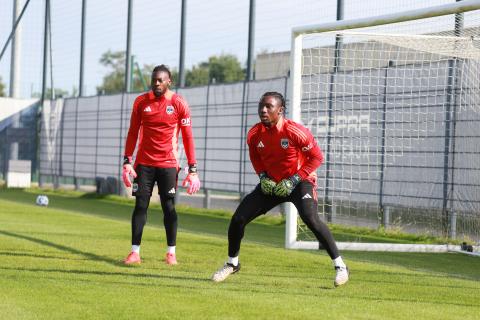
[285, 156]
[157, 117]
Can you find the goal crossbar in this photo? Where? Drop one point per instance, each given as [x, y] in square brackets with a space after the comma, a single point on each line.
[429, 12]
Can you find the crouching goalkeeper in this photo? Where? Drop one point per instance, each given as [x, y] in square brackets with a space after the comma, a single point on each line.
[285, 156]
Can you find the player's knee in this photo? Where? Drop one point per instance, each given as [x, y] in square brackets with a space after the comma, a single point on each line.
[168, 206]
[141, 204]
[238, 221]
[169, 213]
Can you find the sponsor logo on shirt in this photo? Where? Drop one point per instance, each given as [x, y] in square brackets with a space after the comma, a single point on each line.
[185, 121]
[169, 109]
[260, 145]
[284, 143]
[310, 146]
[147, 109]
[307, 196]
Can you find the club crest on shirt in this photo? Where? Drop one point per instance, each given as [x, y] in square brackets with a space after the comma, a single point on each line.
[169, 109]
[284, 143]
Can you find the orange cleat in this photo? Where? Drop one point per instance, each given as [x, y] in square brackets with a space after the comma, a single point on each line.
[132, 258]
[170, 258]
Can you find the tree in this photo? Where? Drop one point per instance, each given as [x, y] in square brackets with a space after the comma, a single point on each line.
[225, 69]
[59, 93]
[146, 73]
[2, 88]
[114, 81]
[219, 69]
[198, 76]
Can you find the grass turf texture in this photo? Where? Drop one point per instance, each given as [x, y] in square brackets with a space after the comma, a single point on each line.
[64, 262]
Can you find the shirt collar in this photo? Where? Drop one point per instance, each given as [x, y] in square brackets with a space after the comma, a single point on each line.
[278, 126]
[152, 96]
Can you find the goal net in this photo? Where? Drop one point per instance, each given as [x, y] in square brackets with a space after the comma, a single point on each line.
[394, 103]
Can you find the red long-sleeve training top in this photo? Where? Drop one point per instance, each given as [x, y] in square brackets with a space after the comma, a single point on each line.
[155, 122]
[283, 150]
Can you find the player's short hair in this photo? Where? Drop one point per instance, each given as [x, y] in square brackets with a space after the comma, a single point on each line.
[163, 68]
[274, 94]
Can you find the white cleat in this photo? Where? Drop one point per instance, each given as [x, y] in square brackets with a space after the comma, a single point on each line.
[341, 276]
[222, 273]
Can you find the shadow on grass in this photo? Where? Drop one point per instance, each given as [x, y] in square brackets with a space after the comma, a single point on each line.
[32, 255]
[202, 284]
[57, 246]
[114, 207]
[109, 273]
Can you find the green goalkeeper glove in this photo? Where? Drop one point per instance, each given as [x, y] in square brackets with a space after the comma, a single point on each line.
[285, 187]
[267, 185]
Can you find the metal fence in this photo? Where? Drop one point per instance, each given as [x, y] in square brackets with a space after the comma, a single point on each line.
[83, 138]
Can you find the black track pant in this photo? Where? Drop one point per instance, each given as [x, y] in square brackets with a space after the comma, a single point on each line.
[256, 204]
[166, 179]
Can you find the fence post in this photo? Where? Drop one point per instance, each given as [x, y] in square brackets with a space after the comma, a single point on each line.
[453, 224]
[385, 217]
[121, 187]
[384, 132]
[207, 200]
[243, 129]
[449, 104]
[207, 192]
[75, 179]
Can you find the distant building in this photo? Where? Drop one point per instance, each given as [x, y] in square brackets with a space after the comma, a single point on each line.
[401, 50]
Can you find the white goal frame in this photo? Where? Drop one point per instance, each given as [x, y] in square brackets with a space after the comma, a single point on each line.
[296, 96]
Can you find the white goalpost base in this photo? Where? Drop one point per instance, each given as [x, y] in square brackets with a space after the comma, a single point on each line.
[386, 247]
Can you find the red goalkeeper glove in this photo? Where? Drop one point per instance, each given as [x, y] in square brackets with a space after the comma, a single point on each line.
[128, 171]
[191, 181]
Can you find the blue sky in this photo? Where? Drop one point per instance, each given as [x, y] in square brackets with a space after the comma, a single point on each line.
[213, 27]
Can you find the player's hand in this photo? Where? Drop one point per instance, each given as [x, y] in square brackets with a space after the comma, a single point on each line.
[192, 182]
[285, 187]
[126, 173]
[266, 184]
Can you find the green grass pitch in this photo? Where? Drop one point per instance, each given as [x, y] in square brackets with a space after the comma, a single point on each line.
[64, 262]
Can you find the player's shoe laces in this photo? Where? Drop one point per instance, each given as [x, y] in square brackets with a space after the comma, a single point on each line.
[132, 258]
[225, 271]
[341, 276]
[170, 258]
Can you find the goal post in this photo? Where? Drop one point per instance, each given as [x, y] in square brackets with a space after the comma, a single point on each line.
[394, 102]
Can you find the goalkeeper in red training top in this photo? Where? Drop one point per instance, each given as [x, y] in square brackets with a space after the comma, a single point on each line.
[157, 117]
[285, 156]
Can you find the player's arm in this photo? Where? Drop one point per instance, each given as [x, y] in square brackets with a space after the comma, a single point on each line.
[266, 183]
[308, 147]
[252, 151]
[313, 159]
[185, 124]
[130, 143]
[132, 136]
[312, 155]
[191, 181]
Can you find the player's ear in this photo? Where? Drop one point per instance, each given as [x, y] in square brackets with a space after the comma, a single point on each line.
[280, 111]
